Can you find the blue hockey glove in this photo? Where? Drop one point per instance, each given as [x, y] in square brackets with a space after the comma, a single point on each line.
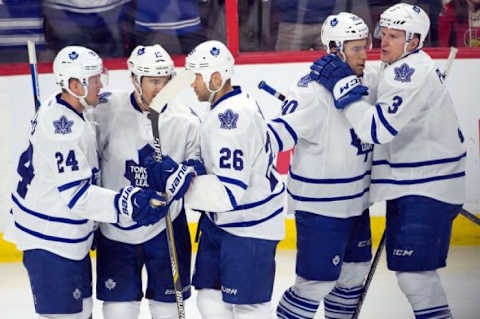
[197, 165]
[337, 77]
[144, 206]
[169, 177]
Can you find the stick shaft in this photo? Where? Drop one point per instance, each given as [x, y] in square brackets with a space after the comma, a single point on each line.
[32, 59]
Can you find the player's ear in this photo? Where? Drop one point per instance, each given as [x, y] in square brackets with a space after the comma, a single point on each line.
[216, 80]
[75, 86]
[413, 45]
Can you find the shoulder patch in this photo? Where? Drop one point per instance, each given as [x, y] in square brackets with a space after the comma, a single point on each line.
[228, 120]
[103, 97]
[404, 73]
[303, 82]
[63, 125]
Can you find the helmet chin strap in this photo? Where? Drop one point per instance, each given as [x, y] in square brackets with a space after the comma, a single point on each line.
[81, 98]
[213, 92]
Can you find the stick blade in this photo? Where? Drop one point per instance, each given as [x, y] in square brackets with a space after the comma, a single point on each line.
[171, 90]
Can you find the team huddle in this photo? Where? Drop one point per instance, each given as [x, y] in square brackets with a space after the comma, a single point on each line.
[89, 178]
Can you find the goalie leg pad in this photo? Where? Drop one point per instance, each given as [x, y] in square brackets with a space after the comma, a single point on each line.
[425, 294]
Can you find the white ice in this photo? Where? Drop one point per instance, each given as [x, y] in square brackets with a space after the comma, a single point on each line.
[461, 280]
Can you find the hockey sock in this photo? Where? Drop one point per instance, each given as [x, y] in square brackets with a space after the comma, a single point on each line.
[341, 303]
[292, 306]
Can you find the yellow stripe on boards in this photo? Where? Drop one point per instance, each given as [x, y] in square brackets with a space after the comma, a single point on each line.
[465, 233]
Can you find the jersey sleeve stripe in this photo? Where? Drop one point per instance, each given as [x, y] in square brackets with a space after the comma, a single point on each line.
[288, 127]
[424, 163]
[260, 202]
[328, 180]
[384, 121]
[79, 194]
[418, 181]
[233, 181]
[327, 199]
[69, 185]
[277, 137]
[233, 201]
[253, 222]
[374, 131]
[131, 227]
[47, 217]
[52, 238]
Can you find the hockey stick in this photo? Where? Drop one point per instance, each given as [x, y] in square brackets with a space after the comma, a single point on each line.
[470, 216]
[378, 253]
[264, 86]
[32, 59]
[171, 89]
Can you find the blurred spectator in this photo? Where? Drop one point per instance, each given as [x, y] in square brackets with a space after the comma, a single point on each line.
[20, 20]
[459, 24]
[95, 24]
[301, 23]
[174, 24]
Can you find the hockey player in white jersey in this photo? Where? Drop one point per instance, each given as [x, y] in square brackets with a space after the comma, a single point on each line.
[419, 158]
[125, 142]
[328, 184]
[240, 196]
[56, 200]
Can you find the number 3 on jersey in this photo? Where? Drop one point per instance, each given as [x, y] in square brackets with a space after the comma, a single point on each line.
[229, 159]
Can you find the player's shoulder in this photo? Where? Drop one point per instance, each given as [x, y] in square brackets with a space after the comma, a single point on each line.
[180, 113]
[112, 100]
[307, 91]
[411, 70]
[58, 120]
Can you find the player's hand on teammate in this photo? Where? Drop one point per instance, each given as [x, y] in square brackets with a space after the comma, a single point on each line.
[136, 203]
[169, 177]
[197, 165]
[337, 77]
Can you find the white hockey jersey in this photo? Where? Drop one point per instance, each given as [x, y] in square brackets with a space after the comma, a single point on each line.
[421, 148]
[55, 200]
[125, 137]
[241, 193]
[330, 168]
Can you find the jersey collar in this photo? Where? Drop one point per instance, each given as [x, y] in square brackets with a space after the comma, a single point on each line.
[236, 90]
[67, 105]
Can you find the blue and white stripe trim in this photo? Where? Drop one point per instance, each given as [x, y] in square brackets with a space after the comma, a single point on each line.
[328, 199]
[292, 306]
[419, 180]
[66, 6]
[169, 25]
[421, 163]
[384, 121]
[252, 222]
[290, 130]
[277, 137]
[440, 312]
[78, 194]
[328, 180]
[53, 238]
[46, 216]
[233, 181]
[342, 302]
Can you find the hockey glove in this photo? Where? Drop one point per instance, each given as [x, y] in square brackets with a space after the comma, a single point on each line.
[135, 203]
[169, 177]
[197, 165]
[337, 77]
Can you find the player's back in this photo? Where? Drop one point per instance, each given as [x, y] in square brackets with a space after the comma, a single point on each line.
[427, 154]
[235, 147]
[60, 154]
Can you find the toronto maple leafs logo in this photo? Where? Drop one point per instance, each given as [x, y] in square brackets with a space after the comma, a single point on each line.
[336, 260]
[110, 284]
[362, 148]
[141, 51]
[404, 73]
[333, 22]
[135, 172]
[63, 125]
[228, 120]
[73, 55]
[416, 9]
[304, 81]
[215, 51]
[103, 97]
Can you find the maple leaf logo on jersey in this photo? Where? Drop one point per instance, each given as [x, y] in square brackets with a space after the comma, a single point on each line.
[362, 148]
[63, 125]
[228, 120]
[77, 294]
[135, 172]
[404, 73]
[73, 55]
[110, 284]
